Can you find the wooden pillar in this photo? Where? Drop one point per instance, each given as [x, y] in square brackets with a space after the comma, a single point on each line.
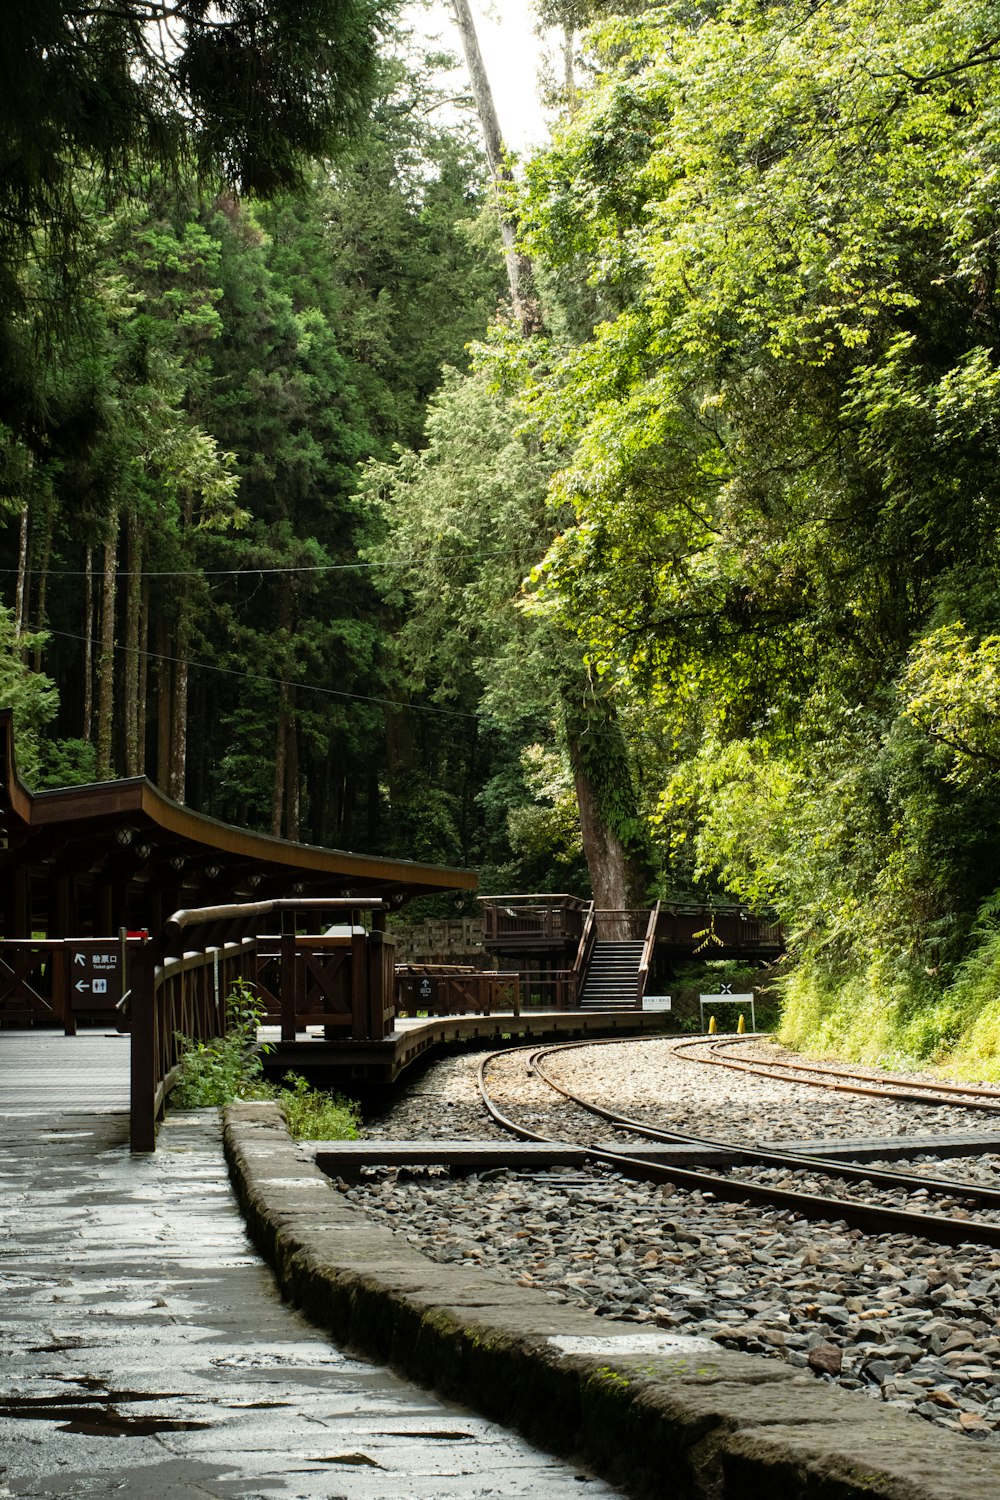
[360, 1028]
[143, 1049]
[376, 983]
[289, 976]
[61, 960]
[59, 907]
[17, 904]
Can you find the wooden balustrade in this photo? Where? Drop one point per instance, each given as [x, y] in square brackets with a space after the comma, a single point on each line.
[179, 981]
[453, 991]
[647, 953]
[512, 921]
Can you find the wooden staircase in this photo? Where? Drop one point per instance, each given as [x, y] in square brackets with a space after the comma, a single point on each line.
[611, 981]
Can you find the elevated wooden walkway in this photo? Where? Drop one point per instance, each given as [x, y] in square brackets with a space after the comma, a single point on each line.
[381, 1062]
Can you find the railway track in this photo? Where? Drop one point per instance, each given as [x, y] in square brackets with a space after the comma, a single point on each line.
[722, 1053]
[866, 1213]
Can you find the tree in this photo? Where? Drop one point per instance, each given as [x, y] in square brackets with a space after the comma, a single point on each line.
[779, 404]
[245, 89]
[466, 521]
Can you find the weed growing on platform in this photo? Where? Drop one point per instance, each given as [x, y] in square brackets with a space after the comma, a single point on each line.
[315, 1115]
[214, 1073]
[224, 1068]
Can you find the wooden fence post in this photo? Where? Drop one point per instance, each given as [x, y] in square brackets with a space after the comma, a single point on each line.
[376, 985]
[62, 985]
[142, 1010]
[289, 976]
[360, 1025]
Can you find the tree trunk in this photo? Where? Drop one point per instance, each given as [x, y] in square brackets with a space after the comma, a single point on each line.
[88, 647]
[519, 275]
[143, 705]
[609, 819]
[569, 69]
[21, 592]
[106, 658]
[164, 705]
[179, 714]
[44, 560]
[182, 643]
[133, 611]
[292, 784]
[280, 747]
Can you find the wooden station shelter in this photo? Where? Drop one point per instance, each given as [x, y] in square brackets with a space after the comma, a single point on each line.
[89, 860]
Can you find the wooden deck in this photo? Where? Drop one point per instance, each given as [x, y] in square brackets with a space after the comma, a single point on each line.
[414, 1037]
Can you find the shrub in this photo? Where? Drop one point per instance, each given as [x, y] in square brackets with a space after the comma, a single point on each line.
[224, 1068]
[314, 1114]
[214, 1073]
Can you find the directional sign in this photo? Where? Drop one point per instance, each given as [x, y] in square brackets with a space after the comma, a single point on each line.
[95, 977]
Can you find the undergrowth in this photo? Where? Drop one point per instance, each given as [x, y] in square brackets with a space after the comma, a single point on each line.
[897, 1015]
[216, 1072]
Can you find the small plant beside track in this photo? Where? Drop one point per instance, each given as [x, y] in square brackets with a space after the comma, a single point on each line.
[214, 1073]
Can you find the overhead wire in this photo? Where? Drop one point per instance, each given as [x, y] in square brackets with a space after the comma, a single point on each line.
[263, 677]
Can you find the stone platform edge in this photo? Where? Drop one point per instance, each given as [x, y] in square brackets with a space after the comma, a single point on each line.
[656, 1414]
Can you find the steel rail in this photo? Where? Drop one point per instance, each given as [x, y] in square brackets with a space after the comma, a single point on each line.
[870, 1217]
[900, 1089]
[972, 1193]
[937, 1087]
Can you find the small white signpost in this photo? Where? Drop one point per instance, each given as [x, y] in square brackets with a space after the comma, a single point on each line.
[656, 1002]
[726, 997]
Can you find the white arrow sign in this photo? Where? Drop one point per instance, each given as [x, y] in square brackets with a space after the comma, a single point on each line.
[81, 985]
[79, 958]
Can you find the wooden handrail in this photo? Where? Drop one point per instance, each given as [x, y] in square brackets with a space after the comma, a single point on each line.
[249, 910]
[180, 979]
[647, 954]
[588, 937]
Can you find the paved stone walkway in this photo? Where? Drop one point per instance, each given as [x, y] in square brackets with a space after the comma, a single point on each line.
[143, 1349]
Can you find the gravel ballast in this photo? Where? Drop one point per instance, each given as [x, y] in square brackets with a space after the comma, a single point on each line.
[658, 1413]
[890, 1317]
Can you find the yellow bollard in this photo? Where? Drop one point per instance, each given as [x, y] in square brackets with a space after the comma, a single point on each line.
[712, 1028]
[741, 1027]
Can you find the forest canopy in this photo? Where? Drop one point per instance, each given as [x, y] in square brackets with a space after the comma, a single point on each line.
[680, 583]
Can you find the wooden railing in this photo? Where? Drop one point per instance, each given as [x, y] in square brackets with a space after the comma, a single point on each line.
[622, 926]
[554, 989]
[522, 923]
[32, 982]
[179, 981]
[512, 921]
[588, 938]
[452, 991]
[61, 981]
[717, 932]
[647, 954]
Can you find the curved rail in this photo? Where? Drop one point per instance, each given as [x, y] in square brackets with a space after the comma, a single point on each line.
[872, 1217]
[911, 1091]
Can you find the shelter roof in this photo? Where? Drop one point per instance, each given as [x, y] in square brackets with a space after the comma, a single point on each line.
[126, 854]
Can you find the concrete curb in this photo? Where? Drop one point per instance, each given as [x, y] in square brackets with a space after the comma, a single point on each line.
[657, 1414]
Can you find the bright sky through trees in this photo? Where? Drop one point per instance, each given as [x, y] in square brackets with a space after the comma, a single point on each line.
[512, 53]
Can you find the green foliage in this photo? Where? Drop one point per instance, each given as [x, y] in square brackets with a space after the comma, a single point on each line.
[781, 459]
[215, 1072]
[316, 1114]
[67, 763]
[30, 694]
[951, 690]
[246, 91]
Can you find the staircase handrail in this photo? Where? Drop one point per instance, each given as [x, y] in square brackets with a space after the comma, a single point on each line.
[585, 947]
[647, 955]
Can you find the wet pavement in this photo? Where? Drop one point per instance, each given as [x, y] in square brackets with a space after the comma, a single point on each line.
[144, 1351]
